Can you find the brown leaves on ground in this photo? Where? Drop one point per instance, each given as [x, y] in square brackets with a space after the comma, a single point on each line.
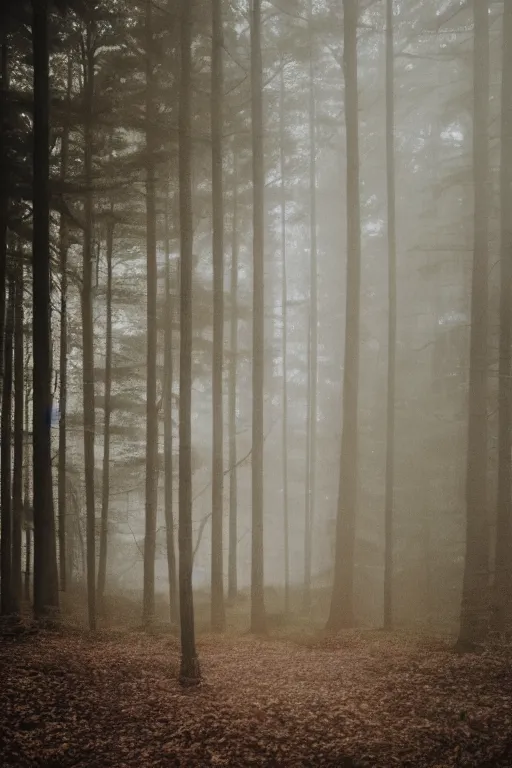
[356, 701]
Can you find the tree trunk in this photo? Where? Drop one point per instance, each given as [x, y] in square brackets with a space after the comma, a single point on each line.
[342, 609]
[189, 670]
[218, 614]
[26, 479]
[105, 489]
[17, 483]
[151, 406]
[390, 407]
[284, 347]
[87, 329]
[4, 187]
[313, 321]
[46, 594]
[258, 618]
[233, 477]
[63, 350]
[168, 441]
[503, 578]
[306, 591]
[6, 574]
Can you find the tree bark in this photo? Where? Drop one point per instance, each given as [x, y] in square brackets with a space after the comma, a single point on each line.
[503, 577]
[284, 346]
[46, 595]
[63, 349]
[105, 489]
[218, 613]
[313, 321]
[189, 669]
[87, 328]
[258, 618]
[151, 403]
[233, 478]
[168, 439]
[17, 483]
[6, 574]
[4, 187]
[342, 609]
[392, 308]
[26, 479]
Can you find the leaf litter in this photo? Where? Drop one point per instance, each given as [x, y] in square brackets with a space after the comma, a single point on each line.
[353, 701]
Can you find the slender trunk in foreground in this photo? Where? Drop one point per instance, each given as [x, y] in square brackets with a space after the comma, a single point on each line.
[189, 669]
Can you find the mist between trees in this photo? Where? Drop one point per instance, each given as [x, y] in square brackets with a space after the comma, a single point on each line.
[255, 314]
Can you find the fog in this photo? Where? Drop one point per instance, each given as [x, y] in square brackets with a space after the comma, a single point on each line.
[256, 337]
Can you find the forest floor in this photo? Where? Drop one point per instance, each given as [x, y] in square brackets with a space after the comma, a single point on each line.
[358, 699]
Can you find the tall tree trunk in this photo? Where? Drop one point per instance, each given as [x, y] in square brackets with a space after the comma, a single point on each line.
[26, 479]
[284, 347]
[168, 441]
[306, 592]
[189, 670]
[503, 577]
[105, 489]
[342, 609]
[390, 407]
[63, 350]
[17, 482]
[151, 404]
[6, 575]
[4, 187]
[258, 618]
[313, 320]
[87, 328]
[46, 594]
[218, 614]
[233, 476]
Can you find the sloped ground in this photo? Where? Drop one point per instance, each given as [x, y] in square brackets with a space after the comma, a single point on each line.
[359, 700]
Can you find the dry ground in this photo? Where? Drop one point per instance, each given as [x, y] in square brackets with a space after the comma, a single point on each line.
[356, 700]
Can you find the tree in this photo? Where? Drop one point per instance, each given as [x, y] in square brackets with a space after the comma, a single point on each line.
[313, 325]
[87, 318]
[45, 559]
[474, 556]
[218, 617]
[151, 404]
[17, 479]
[342, 608]
[189, 670]
[390, 406]
[258, 620]
[63, 346]
[4, 191]
[6, 604]
[105, 490]
[232, 393]
[168, 438]
[284, 349]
